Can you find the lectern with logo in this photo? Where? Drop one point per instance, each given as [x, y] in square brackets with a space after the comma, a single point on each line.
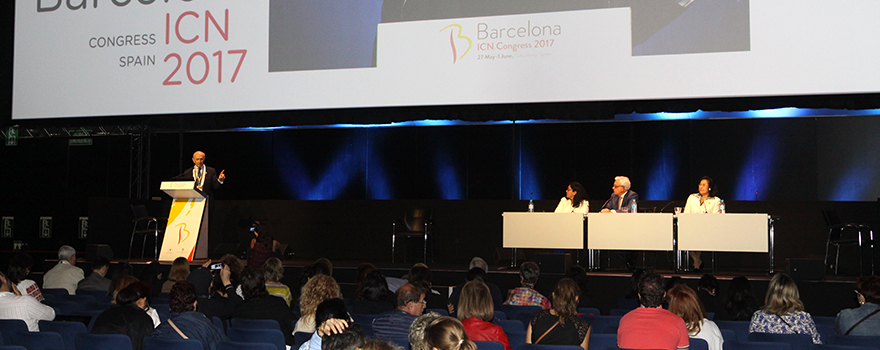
[187, 232]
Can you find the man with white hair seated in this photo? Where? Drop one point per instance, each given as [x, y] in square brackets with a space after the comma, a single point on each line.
[64, 275]
[620, 202]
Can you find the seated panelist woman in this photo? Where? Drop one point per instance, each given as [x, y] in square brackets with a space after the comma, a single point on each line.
[704, 201]
[575, 200]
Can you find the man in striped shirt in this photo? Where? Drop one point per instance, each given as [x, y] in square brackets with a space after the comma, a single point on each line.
[14, 306]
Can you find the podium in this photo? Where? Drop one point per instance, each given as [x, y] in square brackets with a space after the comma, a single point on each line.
[187, 232]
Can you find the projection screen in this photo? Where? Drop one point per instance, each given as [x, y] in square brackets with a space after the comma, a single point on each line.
[82, 58]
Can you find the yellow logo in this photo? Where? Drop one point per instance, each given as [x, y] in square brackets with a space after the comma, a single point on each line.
[452, 38]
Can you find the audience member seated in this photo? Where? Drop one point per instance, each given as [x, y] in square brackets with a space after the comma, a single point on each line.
[683, 302]
[273, 271]
[363, 269]
[118, 272]
[319, 288]
[185, 322]
[478, 269]
[120, 284]
[476, 313]
[65, 274]
[258, 304]
[216, 296]
[351, 338]
[179, 272]
[630, 300]
[417, 330]
[235, 269]
[579, 276]
[15, 306]
[396, 323]
[447, 333]
[526, 294]
[650, 326]
[96, 279]
[19, 269]
[128, 317]
[560, 325]
[863, 320]
[332, 317]
[708, 291]
[374, 297]
[783, 311]
[739, 303]
[420, 276]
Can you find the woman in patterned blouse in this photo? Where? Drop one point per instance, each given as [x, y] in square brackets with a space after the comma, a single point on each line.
[783, 311]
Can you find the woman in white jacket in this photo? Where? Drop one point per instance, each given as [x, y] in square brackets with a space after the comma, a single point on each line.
[575, 200]
[705, 201]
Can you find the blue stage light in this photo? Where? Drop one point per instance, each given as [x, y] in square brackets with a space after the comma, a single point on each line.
[447, 179]
[663, 174]
[758, 169]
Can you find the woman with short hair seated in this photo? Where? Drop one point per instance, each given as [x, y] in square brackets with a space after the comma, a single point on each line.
[865, 319]
[476, 312]
[185, 322]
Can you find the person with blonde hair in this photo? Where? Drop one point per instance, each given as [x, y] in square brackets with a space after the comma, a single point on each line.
[683, 301]
[783, 311]
[417, 330]
[560, 325]
[447, 333]
[179, 272]
[476, 312]
[273, 270]
[315, 291]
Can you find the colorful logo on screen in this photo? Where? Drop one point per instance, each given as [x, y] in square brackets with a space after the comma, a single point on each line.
[457, 41]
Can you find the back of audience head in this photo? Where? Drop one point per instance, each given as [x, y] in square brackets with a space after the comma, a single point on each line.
[782, 296]
[375, 287]
[273, 270]
[565, 299]
[420, 276]
[447, 333]
[323, 266]
[476, 274]
[579, 275]
[100, 262]
[182, 297]
[121, 283]
[315, 291]
[683, 302]
[651, 290]
[19, 267]
[408, 296]
[475, 301]
[132, 293]
[479, 262]
[264, 239]
[235, 268]
[708, 283]
[179, 270]
[529, 272]
[363, 269]
[417, 330]
[253, 285]
[739, 301]
[869, 288]
[119, 271]
[67, 253]
[351, 338]
[330, 309]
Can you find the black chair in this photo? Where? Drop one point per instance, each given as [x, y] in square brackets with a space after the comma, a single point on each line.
[416, 223]
[847, 234]
[143, 225]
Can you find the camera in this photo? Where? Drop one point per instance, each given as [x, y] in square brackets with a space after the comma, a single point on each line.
[216, 266]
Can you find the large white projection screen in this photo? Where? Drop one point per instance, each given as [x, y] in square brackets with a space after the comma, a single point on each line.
[78, 58]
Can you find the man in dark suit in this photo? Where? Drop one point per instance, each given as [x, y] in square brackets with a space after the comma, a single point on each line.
[206, 178]
[620, 202]
[96, 280]
[620, 190]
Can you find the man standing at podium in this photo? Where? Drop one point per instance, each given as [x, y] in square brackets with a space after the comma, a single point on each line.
[206, 177]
